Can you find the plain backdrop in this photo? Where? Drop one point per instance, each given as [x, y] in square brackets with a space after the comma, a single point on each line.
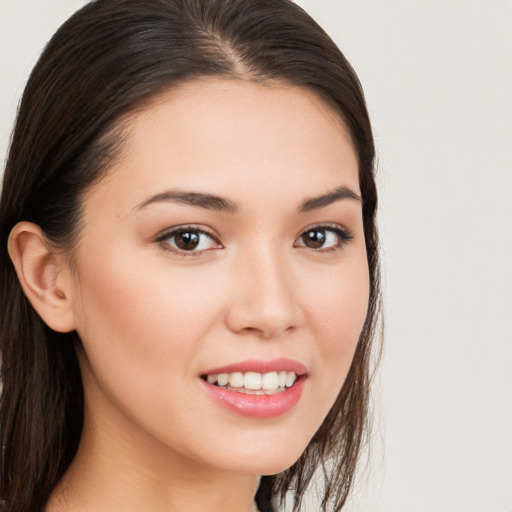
[438, 81]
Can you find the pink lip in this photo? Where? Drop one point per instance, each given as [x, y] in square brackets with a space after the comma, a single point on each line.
[259, 406]
[260, 366]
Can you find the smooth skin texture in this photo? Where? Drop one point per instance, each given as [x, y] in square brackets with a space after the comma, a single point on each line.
[153, 317]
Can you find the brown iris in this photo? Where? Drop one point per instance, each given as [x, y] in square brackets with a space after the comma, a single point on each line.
[186, 240]
[314, 238]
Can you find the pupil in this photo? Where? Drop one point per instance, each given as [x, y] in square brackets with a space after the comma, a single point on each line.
[315, 238]
[187, 240]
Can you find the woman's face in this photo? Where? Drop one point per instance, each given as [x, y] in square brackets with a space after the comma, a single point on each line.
[226, 243]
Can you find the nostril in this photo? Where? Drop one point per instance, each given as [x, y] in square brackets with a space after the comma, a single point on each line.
[264, 302]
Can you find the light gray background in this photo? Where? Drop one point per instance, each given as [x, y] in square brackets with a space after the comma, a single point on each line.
[438, 79]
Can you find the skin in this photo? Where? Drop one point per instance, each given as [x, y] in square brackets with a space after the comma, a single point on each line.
[152, 320]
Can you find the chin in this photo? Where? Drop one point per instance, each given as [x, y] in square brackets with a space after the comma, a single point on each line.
[264, 458]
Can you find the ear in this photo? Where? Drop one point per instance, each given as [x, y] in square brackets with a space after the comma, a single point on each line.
[44, 275]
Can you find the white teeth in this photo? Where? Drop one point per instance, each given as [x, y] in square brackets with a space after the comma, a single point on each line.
[270, 381]
[290, 379]
[222, 379]
[254, 382]
[236, 379]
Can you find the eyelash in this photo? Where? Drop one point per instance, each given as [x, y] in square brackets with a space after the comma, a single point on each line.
[162, 239]
[343, 235]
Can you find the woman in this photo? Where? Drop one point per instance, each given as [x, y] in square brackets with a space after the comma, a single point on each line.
[189, 263]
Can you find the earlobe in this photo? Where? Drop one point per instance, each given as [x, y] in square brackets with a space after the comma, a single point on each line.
[43, 275]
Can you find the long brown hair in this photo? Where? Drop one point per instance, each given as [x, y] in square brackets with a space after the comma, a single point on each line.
[107, 60]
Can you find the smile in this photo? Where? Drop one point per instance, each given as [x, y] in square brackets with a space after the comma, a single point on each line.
[253, 383]
[257, 389]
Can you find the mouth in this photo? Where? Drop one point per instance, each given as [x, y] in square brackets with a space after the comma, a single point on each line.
[253, 383]
[255, 388]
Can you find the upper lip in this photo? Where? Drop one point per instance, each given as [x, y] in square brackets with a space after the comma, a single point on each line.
[261, 366]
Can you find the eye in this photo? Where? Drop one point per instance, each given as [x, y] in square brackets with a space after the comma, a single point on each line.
[324, 237]
[188, 239]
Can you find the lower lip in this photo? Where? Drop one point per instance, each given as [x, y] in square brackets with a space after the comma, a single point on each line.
[257, 406]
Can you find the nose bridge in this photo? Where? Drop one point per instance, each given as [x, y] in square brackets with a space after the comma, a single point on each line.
[264, 298]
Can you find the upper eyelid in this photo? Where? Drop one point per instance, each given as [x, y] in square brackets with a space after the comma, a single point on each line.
[327, 225]
[183, 227]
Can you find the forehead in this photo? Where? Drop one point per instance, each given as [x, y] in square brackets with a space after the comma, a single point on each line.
[229, 137]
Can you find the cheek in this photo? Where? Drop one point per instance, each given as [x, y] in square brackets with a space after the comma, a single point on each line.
[142, 328]
[130, 292]
[339, 306]
[140, 323]
[338, 311]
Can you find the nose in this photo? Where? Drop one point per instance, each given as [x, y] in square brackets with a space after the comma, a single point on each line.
[265, 299]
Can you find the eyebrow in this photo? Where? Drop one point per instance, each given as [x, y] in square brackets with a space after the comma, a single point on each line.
[208, 201]
[321, 201]
[213, 202]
